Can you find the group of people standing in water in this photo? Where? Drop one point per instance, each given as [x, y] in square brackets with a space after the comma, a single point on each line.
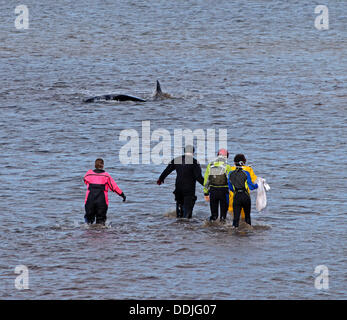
[226, 187]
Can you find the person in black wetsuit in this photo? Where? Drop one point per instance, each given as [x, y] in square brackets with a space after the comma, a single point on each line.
[188, 172]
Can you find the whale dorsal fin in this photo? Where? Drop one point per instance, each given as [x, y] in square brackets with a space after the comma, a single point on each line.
[159, 94]
[158, 89]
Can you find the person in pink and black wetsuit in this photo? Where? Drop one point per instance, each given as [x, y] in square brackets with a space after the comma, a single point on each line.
[98, 182]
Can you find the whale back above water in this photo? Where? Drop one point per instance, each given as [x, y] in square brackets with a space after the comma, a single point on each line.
[116, 97]
[158, 94]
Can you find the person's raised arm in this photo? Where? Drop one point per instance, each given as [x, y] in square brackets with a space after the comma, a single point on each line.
[170, 167]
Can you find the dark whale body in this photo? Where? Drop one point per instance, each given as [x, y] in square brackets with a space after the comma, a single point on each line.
[117, 97]
[123, 97]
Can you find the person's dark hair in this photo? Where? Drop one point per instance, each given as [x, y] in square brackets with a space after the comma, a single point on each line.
[240, 159]
[99, 163]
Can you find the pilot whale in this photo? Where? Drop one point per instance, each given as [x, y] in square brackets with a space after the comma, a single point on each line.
[124, 97]
[117, 97]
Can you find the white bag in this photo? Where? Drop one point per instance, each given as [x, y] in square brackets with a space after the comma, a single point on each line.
[261, 194]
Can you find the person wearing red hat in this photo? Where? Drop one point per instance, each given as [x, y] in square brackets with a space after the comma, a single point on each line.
[216, 189]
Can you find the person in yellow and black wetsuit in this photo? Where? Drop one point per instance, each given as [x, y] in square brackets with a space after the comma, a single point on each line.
[240, 183]
[231, 194]
[216, 189]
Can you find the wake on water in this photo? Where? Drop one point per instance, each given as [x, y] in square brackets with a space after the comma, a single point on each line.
[83, 225]
[195, 221]
[224, 226]
[95, 226]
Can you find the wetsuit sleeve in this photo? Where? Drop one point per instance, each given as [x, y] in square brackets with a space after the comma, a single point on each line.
[231, 188]
[113, 186]
[170, 167]
[85, 178]
[249, 182]
[198, 174]
[206, 179]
